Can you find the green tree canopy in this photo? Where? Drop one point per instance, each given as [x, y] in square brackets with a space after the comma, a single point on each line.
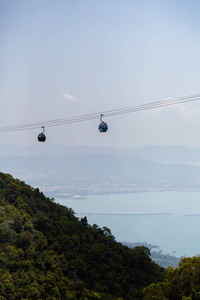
[46, 252]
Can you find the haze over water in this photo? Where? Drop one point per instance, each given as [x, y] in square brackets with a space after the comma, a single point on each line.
[169, 220]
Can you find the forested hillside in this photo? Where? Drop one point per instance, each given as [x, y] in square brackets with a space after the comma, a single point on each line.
[47, 253]
[182, 283]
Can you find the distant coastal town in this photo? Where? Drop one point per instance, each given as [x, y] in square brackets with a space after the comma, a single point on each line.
[80, 192]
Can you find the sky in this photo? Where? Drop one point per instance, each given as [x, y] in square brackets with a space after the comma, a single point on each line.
[67, 58]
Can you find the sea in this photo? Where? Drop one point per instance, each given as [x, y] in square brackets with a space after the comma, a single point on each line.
[169, 220]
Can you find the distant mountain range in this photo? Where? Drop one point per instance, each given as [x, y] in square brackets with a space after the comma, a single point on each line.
[164, 154]
[153, 166]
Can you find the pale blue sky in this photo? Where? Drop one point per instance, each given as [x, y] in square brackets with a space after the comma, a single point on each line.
[68, 58]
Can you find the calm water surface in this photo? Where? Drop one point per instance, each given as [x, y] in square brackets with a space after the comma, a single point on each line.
[167, 219]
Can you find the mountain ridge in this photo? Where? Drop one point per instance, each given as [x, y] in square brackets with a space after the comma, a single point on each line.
[167, 154]
[95, 169]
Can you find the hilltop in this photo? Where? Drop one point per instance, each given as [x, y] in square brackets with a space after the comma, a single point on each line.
[48, 253]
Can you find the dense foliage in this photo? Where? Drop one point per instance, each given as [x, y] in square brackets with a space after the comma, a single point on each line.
[47, 253]
[182, 283]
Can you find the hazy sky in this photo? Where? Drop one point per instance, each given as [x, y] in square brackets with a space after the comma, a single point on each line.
[66, 58]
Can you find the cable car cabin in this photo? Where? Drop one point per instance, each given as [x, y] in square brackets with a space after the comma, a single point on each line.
[41, 137]
[103, 127]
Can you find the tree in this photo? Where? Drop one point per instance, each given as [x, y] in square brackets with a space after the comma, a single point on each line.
[180, 283]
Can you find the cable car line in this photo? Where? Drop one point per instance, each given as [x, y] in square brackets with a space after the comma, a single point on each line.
[109, 113]
[50, 123]
[153, 105]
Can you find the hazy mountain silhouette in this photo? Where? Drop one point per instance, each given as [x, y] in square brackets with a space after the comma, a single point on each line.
[166, 154]
[99, 168]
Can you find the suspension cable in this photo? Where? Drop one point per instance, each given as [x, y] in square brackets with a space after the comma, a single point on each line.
[109, 113]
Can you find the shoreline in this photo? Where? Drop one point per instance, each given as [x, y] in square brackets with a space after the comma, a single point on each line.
[83, 196]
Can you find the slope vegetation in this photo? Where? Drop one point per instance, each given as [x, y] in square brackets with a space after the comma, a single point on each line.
[47, 253]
